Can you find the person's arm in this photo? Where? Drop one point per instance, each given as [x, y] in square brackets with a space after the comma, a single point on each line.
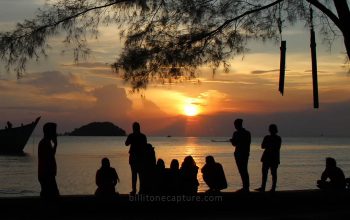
[98, 179]
[233, 140]
[54, 141]
[324, 175]
[127, 142]
[264, 143]
[116, 177]
[279, 142]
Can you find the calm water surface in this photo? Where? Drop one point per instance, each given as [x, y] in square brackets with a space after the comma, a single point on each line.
[78, 158]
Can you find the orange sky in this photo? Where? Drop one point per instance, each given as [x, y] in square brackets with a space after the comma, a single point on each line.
[72, 95]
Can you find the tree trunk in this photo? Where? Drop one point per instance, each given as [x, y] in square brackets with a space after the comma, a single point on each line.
[344, 18]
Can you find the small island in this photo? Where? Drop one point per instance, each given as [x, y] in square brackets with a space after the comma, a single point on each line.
[97, 129]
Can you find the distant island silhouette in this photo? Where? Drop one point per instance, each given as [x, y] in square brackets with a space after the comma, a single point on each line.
[98, 129]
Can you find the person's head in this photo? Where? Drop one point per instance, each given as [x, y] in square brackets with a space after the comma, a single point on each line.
[188, 162]
[174, 165]
[136, 127]
[49, 130]
[330, 162]
[209, 160]
[105, 163]
[273, 129]
[238, 123]
[160, 164]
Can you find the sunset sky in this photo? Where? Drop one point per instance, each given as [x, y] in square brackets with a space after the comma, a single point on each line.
[73, 95]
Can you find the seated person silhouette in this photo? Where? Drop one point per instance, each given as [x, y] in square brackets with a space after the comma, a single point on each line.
[160, 177]
[147, 171]
[213, 175]
[8, 125]
[188, 176]
[172, 178]
[334, 174]
[106, 180]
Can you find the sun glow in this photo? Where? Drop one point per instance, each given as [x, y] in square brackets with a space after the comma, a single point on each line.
[190, 110]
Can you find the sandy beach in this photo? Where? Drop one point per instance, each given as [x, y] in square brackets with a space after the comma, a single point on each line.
[304, 204]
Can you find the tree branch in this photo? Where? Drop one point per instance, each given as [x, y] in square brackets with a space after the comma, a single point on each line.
[328, 12]
[69, 18]
[227, 22]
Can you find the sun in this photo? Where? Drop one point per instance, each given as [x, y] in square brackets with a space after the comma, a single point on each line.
[190, 110]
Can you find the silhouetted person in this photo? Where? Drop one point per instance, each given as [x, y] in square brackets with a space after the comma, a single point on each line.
[137, 142]
[188, 176]
[160, 182]
[106, 179]
[147, 171]
[172, 177]
[241, 141]
[214, 175]
[8, 125]
[271, 157]
[47, 168]
[334, 174]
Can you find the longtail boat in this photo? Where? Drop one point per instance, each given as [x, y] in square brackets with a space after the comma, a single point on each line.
[13, 140]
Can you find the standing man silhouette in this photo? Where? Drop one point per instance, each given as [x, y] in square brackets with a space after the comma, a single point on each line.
[47, 168]
[137, 142]
[241, 141]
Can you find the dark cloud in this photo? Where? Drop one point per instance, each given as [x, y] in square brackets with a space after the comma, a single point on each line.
[319, 71]
[90, 65]
[53, 82]
[264, 71]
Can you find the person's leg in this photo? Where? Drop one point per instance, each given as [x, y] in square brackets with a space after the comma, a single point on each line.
[239, 166]
[274, 177]
[43, 185]
[264, 171]
[133, 178]
[322, 184]
[245, 173]
[242, 165]
[53, 191]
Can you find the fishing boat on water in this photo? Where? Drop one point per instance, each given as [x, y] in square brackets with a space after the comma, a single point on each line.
[14, 139]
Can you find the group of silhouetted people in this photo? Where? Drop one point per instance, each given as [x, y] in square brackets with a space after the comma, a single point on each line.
[241, 140]
[155, 178]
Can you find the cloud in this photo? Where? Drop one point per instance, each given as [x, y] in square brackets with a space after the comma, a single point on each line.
[17, 10]
[89, 65]
[265, 71]
[54, 82]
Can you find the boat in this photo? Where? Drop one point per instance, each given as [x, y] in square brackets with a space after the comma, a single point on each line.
[14, 139]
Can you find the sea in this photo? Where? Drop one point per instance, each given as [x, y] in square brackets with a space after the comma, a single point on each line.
[78, 159]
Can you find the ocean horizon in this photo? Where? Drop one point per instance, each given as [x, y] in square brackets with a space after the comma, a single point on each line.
[78, 158]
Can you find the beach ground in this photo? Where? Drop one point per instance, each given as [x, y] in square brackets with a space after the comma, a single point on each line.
[305, 204]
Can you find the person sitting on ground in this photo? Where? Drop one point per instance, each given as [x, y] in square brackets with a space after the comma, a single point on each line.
[213, 175]
[188, 176]
[172, 178]
[334, 174]
[106, 179]
[147, 171]
[8, 125]
[160, 177]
